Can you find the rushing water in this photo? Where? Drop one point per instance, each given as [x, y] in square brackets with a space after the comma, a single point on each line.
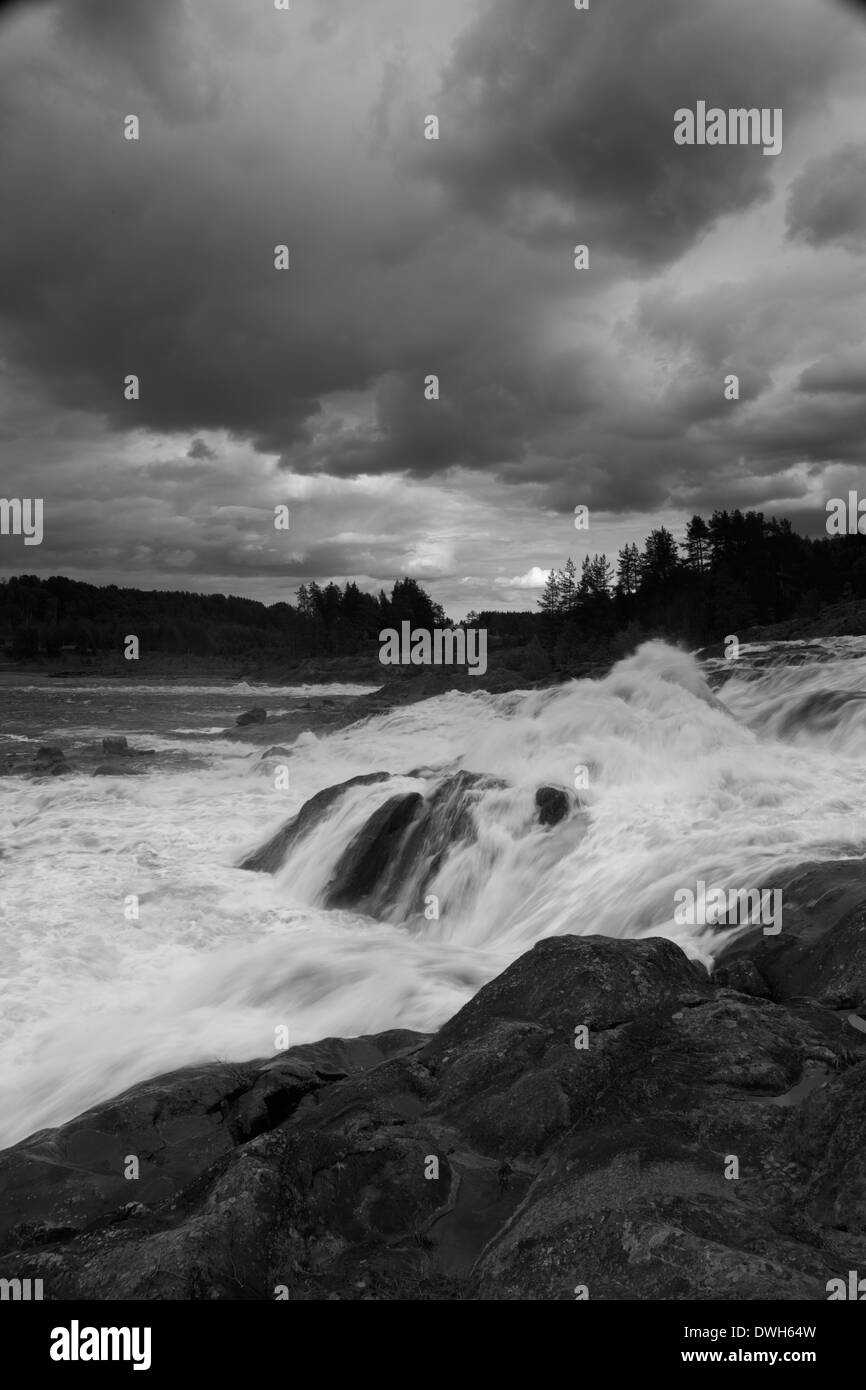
[727, 772]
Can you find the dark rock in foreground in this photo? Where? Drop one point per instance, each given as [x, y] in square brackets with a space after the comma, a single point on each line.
[578, 1123]
[821, 950]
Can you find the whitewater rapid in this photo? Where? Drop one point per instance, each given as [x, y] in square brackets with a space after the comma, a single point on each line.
[731, 785]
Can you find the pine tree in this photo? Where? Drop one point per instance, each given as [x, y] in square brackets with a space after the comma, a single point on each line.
[567, 588]
[696, 545]
[659, 560]
[550, 599]
[628, 570]
[596, 577]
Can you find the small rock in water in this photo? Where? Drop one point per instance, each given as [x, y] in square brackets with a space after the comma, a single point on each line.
[49, 760]
[552, 803]
[48, 754]
[116, 746]
[256, 715]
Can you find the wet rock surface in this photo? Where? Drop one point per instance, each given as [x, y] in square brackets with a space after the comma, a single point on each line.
[113, 756]
[553, 805]
[269, 857]
[256, 715]
[387, 865]
[603, 1113]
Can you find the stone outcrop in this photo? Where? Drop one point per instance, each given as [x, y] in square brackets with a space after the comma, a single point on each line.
[602, 1114]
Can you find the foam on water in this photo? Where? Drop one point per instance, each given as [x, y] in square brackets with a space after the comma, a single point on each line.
[732, 788]
[124, 687]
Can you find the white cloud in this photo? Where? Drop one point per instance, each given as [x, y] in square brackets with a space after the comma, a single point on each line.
[534, 578]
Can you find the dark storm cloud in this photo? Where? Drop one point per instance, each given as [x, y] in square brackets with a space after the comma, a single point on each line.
[817, 431]
[490, 412]
[844, 373]
[411, 257]
[148, 39]
[166, 263]
[541, 99]
[828, 200]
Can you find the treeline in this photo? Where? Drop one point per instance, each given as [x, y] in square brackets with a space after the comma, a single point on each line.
[735, 571]
[58, 616]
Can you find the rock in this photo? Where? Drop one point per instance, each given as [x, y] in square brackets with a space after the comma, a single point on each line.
[49, 754]
[256, 715]
[553, 805]
[820, 952]
[117, 747]
[742, 976]
[831, 970]
[360, 868]
[510, 1157]
[386, 869]
[271, 856]
[828, 1143]
[116, 769]
[50, 761]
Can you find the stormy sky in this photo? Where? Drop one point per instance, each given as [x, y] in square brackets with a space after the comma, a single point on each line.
[602, 387]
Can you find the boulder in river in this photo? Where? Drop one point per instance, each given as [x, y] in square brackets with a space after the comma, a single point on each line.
[270, 856]
[553, 805]
[361, 867]
[256, 715]
[50, 761]
[117, 746]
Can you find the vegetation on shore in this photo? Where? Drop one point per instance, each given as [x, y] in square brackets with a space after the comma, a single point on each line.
[731, 574]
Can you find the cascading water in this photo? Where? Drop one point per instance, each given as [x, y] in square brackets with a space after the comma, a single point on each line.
[731, 773]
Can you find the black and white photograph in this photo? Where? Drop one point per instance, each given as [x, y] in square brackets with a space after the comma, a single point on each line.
[433, 665]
